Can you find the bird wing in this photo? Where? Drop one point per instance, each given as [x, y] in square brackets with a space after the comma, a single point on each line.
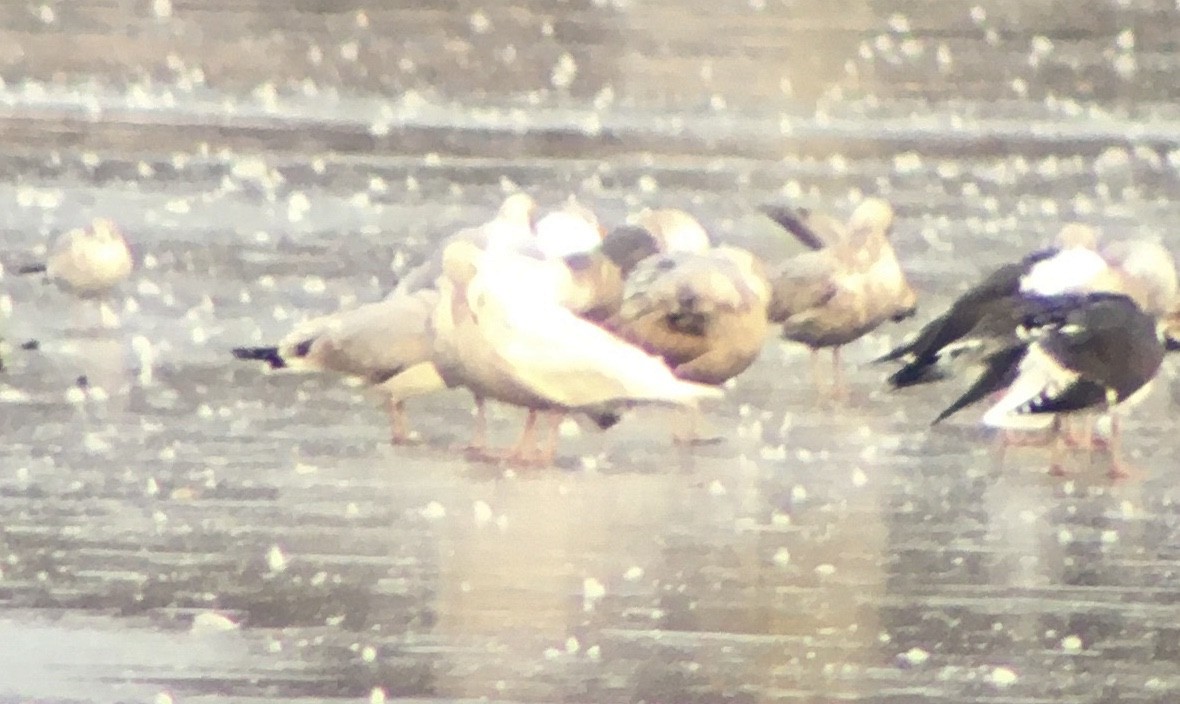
[1107, 339]
[572, 362]
[1035, 386]
[375, 341]
[1081, 349]
[1000, 370]
[670, 301]
[804, 282]
[962, 316]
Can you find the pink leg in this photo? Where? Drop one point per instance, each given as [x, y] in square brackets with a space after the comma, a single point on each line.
[549, 450]
[1016, 438]
[815, 371]
[690, 418]
[839, 389]
[525, 451]
[399, 430]
[1118, 468]
[478, 447]
[1080, 432]
[1056, 466]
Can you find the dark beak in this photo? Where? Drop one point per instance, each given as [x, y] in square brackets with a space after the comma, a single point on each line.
[904, 314]
[579, 262]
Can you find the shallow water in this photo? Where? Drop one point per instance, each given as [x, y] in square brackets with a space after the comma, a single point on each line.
[198, 529]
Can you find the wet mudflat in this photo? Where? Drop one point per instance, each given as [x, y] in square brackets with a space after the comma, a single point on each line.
[190, 527]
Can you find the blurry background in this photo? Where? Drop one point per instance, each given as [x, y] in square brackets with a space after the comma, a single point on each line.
[198, 530]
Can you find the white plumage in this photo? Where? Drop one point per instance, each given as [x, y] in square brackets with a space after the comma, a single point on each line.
[1039, 377]
[1069, 271]
[90, 261]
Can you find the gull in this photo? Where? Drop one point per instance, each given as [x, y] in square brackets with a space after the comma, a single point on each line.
[986, 316]
[700, 308]
[388, 344]
[88, 262]
[846, 286]
[1073, 353]
[502, 331]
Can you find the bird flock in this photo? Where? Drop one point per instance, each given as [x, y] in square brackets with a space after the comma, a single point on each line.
[561, 316]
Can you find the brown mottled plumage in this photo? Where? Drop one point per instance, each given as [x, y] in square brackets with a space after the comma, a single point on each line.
[702, 309]
[849, 283]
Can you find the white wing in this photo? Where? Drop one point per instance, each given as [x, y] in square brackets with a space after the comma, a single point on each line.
[570, 361]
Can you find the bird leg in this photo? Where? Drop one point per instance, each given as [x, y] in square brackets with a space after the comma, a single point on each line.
[399, 429]
[1097, 440]
[689, 419]
[1118, 468]
[478, 447]
[548, 451]
[815, 373]
[1056, 467]
[1080, 437]
[525, 452]
[838, 390]
[691, 435]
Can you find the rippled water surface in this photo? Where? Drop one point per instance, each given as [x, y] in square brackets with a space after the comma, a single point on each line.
[195, 529]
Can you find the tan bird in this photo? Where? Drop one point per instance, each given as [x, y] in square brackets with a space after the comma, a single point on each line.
[848, 285]
[700, 308]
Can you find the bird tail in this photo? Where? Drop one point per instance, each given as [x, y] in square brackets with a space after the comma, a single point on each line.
[918, 371]
[605, 419]
[270, 355]
[794, 221]
[1001, 370]
[32, 269]
[894, 354]
[675, 392]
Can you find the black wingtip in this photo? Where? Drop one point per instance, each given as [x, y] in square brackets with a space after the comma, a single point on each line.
[1000, 371]
[32, 269]
[903, 315]
[270, 355]
[606, 419]
[1171, 344]
[915, 373]
[892, 355]
[960, 403]
[946, 413]
[794, 221]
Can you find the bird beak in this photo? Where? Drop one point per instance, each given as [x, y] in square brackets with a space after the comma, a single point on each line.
[580, 261]
[905, 314]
